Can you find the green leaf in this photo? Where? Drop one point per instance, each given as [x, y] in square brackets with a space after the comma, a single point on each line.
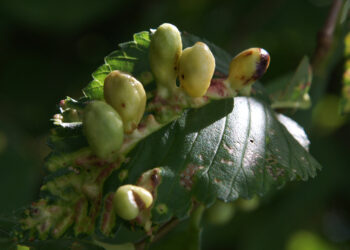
[221, 151]
[227, 149]
[292, 92]
[132, 58]
[71, 140]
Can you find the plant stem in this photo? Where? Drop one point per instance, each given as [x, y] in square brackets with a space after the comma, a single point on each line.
[325, 35]
[160, 233]
[326, 54]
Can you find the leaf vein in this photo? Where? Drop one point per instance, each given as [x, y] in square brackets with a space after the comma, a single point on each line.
[243, 154]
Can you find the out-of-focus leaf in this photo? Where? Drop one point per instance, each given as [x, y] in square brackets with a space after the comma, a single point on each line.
[304, 240]
[220, 213]
[292, 92]
[18, 169]
[126, 246]
[345, 101]
[79, 244]
[326, 118]
[345, 11]
[6, 241]
[321, 3]
[186, 236]
[19, 247]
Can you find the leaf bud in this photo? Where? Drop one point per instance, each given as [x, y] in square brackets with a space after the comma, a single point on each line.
[196, 69]
[129, 200]
[103, 129]
[127, 96]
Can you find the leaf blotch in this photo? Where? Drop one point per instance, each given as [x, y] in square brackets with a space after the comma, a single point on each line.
[186, 177]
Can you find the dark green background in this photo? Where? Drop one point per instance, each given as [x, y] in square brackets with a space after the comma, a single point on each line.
[48, 49]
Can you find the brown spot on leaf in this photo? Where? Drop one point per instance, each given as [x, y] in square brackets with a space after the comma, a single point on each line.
[186, 177]
[107, 213]
[227, 162]
[150, 180]
[155, 178]
[217, 180]
[106, 172]
[228, 149]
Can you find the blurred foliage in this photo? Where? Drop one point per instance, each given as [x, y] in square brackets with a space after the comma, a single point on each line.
[292, 91]
[220, 213]
[48, 48]
[345, 102]
[19, 247]
[305, 240]
[326, 117]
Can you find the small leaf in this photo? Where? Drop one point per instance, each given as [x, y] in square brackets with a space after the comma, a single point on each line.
[132, 58]
[292, 92]
[94, 90]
